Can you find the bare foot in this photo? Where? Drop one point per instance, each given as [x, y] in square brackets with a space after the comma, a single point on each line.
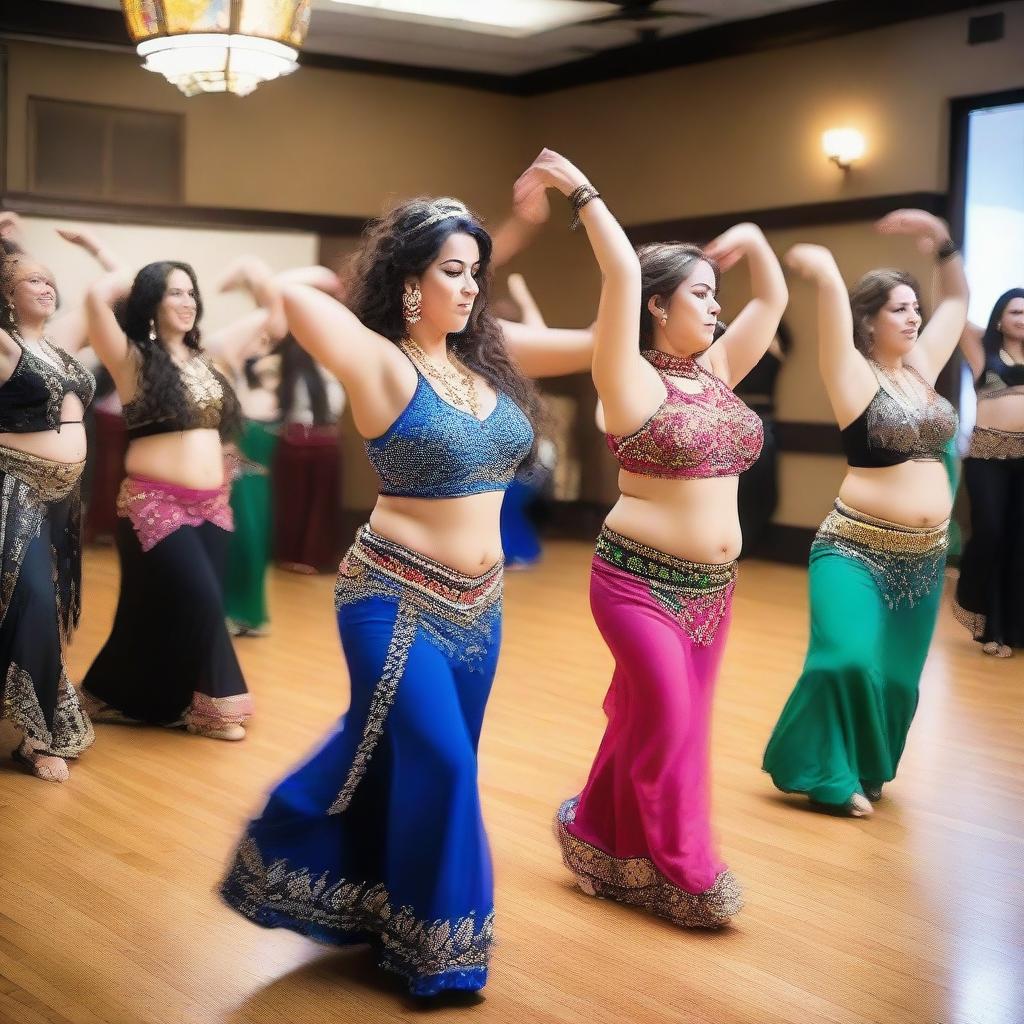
[42, 766]
[230, 731]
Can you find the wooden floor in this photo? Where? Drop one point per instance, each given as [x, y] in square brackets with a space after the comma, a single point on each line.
[107, 907]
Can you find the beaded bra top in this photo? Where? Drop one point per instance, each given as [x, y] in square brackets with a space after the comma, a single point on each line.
[898, 427]
[31, 398]
[691, 436]
[210, 401]
[434, 450]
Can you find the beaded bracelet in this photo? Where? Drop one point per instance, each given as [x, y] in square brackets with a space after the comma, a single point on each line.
[578, 198]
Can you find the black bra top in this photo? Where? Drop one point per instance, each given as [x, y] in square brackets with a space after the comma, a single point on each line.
[999, 378]
[210, 402]
[31, 398]
[892, 430]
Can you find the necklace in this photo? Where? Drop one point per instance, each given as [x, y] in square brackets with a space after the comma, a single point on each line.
[674, 365]
[910, 398]
[41, 349]
[455, 381]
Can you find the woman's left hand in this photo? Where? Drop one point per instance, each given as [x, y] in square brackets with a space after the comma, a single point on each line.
[733, 244]
[930, 231]
[549, 170]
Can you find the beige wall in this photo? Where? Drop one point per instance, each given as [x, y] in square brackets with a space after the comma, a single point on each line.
[316, 141]
[730, 135]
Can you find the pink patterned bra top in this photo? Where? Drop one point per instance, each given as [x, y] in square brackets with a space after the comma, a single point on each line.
[156, 508]
[691, 436]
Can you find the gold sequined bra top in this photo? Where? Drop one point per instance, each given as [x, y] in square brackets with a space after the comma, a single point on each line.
[209, 401]
[902, 423]
[32, 397]
[691, 436]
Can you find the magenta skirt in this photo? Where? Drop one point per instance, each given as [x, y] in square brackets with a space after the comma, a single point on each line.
[640, 831]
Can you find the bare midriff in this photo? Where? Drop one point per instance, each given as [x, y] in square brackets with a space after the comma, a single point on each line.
[1003, 412]
[909, 494]
[187, 458]
[461, 533]
[693, 519]
[64, 445]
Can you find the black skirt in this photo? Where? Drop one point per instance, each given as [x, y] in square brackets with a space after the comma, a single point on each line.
[40, 581]
[990, 592]
[169, 659]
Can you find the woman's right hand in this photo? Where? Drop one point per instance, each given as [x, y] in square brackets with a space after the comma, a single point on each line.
[813, 262]
[548, 170]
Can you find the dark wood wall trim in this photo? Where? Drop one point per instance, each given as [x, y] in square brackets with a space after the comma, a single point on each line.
[180, 216]
[48, 19]
[803, 215]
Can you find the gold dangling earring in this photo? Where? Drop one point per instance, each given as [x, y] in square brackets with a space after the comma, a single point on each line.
[152, 330]
[412, 305]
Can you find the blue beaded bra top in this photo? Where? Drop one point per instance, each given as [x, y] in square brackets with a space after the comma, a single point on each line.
[434, 450]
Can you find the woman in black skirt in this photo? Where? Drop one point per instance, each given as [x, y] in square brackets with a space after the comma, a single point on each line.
[169, 660]
[990, 592]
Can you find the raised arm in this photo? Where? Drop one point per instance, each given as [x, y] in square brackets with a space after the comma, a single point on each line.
[529, 311]
[972, 349]
[256, 331]
[627, 385]
[515, 233]
[848, 379]
[944, 329]
[105, 335]
[752, 330]
[370, 367]
[70, 330]
[539, 350]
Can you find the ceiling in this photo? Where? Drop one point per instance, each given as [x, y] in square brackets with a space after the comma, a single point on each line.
[363, 33]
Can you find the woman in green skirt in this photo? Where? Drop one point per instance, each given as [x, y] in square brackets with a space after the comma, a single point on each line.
[250, 350]
[876, 565]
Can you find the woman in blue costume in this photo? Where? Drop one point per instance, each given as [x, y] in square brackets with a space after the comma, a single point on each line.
[379, 837]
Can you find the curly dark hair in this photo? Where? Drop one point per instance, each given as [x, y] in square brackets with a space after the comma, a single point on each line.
[664, 266]
[402, 244]
[869, 295]
[992, 339]
[164, 391]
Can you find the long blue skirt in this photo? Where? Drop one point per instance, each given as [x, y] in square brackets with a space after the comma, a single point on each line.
[378, 838]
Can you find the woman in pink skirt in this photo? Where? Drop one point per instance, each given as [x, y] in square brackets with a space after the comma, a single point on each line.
[665, 567]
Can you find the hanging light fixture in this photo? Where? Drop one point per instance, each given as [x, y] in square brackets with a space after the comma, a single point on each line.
[218, 45]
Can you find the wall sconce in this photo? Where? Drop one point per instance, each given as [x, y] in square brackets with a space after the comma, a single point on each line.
[843, 146]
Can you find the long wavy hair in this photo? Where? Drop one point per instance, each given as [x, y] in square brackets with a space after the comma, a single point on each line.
[402, 244]
[992, 339]
[164, 395]
[869, 295]
[664, 266]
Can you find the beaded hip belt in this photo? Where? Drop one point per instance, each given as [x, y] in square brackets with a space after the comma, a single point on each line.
[412, 572]
[989, 443]
[52, 481]
[459, 614]
[653, 566]
[906, 561]
[695, 594]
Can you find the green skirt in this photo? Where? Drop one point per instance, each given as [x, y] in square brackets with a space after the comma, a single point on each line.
[875, 590]
[245, 599]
